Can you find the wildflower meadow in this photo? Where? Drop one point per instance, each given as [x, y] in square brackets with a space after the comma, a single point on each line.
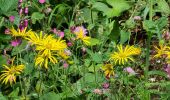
[84, 49]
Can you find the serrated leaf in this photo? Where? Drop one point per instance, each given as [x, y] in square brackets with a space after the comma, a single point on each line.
[100, 6]
[51, 96]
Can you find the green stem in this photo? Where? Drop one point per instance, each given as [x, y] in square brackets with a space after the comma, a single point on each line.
[149, 36]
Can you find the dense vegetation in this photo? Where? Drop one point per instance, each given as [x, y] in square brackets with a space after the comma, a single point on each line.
[84, 49]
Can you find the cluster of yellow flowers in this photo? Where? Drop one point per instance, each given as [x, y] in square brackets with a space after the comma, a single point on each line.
[10, 72]
[162, 50]
[120, 57]
[47, 46]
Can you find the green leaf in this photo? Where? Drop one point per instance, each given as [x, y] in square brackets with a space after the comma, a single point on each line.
[157, 72]
[94, 41]
[118, 6]
[14, 93]
[149, 26]
[100, 7]
[96, 57]
[114, 35]
[19, 48]
[124, 36]
[8, 5]
[37, 16]
[97, 67]
[2, 60]
[163, 7]
[2, 97]
[4, 37]
[51, 96]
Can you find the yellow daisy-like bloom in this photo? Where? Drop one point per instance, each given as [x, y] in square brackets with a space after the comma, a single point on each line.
[124, 54]
[47, 46]
[161, 50]
[19, 33]
[44, 59]
[108, 70]
[81, 34]
[9, 73]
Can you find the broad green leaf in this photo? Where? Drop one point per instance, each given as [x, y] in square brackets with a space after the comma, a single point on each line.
[94, 41]
[124, 36]
[96, 57]
[7, 5]
[118, 6]
[97, 67]
[101, 7]
[149, 26]
[163, 7]
[4, 37]
[37, 16]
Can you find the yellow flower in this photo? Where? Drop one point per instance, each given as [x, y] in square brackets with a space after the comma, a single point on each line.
[108, 70]
[9, 73]
[124, 54]
[161, 50]
[63, 54]
[47, 47]
[80, 32]
[19, 33]
[43, 59]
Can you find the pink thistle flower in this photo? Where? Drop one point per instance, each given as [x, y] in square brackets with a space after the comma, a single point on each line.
[7, 31]
[65, 65]
[80, 29]
[61, 34]
[20, 1]
[106, 85]
[16, 42]
[41, 1]
[69, 44]
[167, 69]
[11, 18]
[20, 11]
[129, 70]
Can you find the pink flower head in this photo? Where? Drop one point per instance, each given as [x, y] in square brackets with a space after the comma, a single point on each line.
[41, 1]
[97, 91]
[129, 70]
[20, 11]
[16, 42]
[65, 65]
[106, 85]
[69, 44]
[137, 18]
[11, 18]
[80, 29]
[61, 34]
[26, 10]
[7, 31]
[167, 69]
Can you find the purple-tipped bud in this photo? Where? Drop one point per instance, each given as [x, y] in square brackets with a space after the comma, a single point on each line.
[19, 5]
[41, 1]
[20, 11]
[21, 27]
[26, 10]
[25, 23]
